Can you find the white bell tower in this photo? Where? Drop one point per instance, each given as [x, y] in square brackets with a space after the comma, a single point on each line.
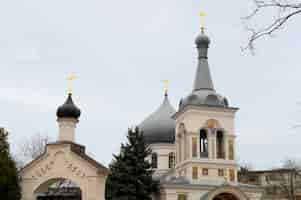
[205, 133]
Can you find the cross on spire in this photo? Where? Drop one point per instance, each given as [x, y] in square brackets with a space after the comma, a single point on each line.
[70, 78]
[202, 19]
[166, 86]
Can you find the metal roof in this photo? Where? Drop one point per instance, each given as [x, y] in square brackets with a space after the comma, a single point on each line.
[159, 127]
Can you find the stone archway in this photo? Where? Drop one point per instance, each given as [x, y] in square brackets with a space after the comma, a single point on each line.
[225, 196]
[58, 189]
[227, 192]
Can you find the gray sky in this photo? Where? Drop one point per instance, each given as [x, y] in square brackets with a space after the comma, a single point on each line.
[122, 50]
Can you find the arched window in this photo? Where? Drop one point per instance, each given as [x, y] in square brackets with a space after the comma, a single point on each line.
[203, 144]
[212, 100]
[220, 144]
[154, 160]
[171, 160]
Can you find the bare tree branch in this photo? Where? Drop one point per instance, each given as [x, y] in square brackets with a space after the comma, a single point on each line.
[30, 148]
[285, 11]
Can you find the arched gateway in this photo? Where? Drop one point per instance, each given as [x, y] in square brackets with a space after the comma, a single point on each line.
[227, 192]
[64, 160]
[225, 196]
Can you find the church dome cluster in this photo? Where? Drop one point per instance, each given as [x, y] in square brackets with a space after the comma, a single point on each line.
[68, 109]
[159, 127]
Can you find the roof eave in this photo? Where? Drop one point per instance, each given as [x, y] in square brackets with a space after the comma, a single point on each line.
[189, 106]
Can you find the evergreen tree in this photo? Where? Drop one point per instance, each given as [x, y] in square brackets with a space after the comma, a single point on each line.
[131, 174]
[9, 181]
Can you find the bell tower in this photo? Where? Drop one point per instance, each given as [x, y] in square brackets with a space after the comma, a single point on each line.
[205, 134]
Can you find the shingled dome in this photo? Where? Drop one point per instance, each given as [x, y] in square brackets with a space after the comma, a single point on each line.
[204, 97]
[159, 127]
[68, 109]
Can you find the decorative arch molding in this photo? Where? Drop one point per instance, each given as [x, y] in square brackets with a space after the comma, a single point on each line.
[59, 156]
[42, 187]
[228, 189]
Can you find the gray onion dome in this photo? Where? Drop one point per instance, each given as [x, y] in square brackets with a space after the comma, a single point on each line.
[202, 40]
[159, 127]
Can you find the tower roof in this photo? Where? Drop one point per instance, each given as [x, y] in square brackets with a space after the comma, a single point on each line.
[159, 127]
[203, 92]
[68, 109]
[203, 78]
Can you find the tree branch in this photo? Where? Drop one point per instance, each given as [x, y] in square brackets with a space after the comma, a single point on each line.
[286, 10]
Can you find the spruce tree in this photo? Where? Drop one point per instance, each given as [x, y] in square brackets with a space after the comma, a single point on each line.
[131, 173]
[9, 181]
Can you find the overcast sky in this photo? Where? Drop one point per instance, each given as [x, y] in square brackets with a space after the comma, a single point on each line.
[122, 50]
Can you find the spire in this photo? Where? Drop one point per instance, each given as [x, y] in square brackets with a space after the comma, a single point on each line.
[166, 86]
[202, 78]
[67, 116]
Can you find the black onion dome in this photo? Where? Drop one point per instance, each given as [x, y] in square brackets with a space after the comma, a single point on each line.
[159, 127]
[68, 109]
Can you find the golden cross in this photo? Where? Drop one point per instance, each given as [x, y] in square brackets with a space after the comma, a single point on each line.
[166, 85]
[70, 79]
[202, 16]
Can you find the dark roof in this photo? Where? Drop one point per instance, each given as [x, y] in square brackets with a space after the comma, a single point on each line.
[203, 78]
[277, 170]
[159, 127]
[77, 149]
[68, 109]
[203, 90]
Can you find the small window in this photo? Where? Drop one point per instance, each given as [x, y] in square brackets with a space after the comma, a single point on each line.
[212, 100]
[226, 103]
[182, 196]
[194, 147]
[205, 172]
[171, 160]
[220, 145]
[203, 143]
[232, 175]
[231, 150]
[220, 172]
[154, 161]
[194, 173]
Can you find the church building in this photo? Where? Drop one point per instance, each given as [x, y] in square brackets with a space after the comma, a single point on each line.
[194, 148]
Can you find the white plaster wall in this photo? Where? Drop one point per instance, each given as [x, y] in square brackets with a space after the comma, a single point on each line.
[162, 151]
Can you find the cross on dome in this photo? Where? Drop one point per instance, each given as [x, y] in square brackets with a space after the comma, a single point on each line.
[70, 78]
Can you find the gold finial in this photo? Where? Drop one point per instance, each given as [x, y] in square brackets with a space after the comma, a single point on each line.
[202, 18]
[70, 79]
[166, 86]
